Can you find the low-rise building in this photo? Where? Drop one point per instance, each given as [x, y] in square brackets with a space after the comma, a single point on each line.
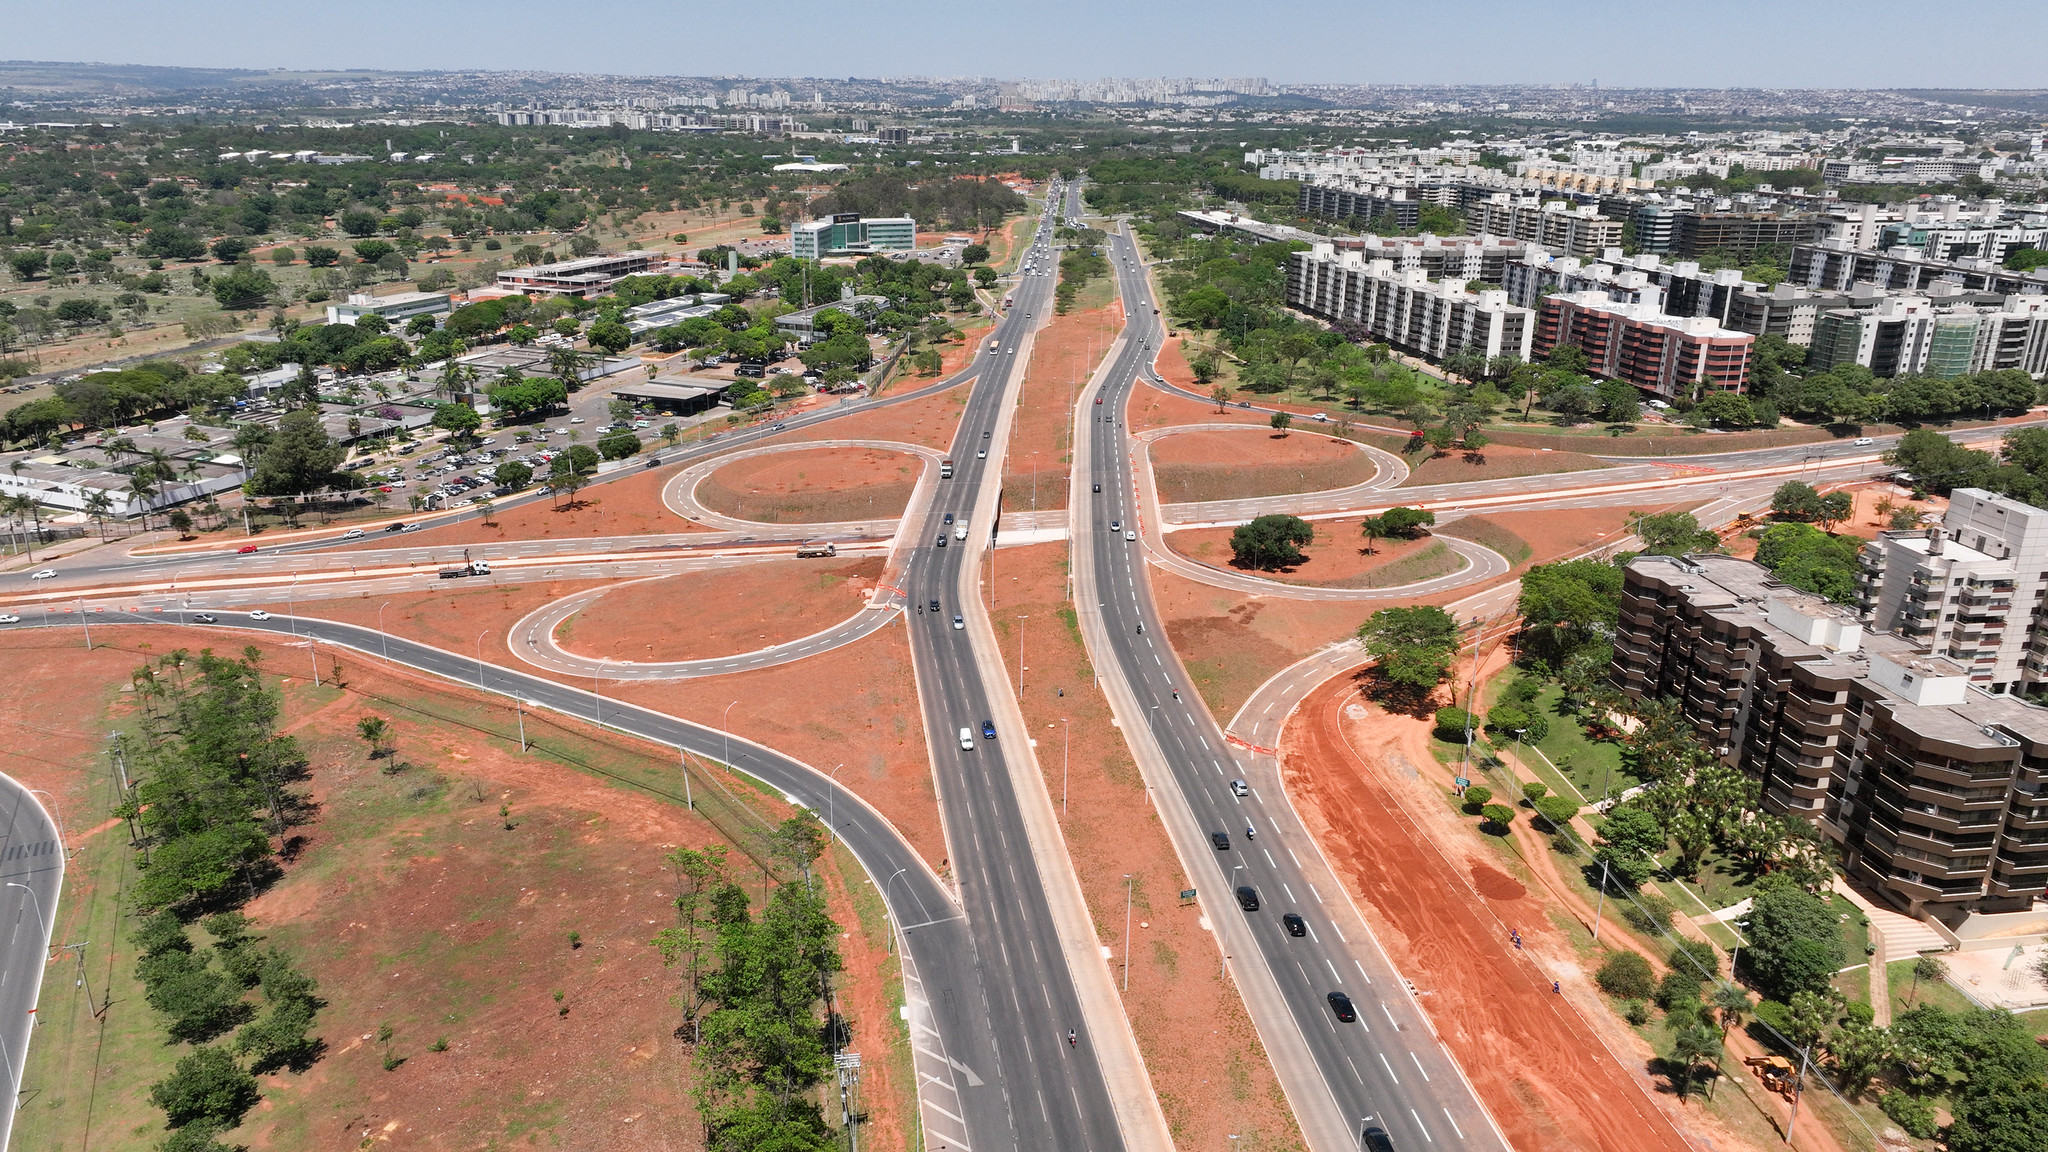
[851, 234]
[395, 309]
[586, 277]
[803, 323]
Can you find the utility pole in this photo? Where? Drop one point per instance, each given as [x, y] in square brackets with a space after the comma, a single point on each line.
[1129, 886]
[1798, 1090]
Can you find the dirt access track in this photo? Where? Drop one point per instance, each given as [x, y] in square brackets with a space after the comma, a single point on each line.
[1196, 467]
[1544, 1075]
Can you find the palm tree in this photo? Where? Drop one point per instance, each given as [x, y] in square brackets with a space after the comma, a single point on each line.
[568, 362]
[374, 730]
[142, 486]
[99, 506]
[1733, 1004]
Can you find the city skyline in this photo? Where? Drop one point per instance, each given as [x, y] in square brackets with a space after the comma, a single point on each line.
[1747, 43]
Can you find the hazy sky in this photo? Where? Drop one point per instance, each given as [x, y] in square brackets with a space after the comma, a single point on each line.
[1770, 43]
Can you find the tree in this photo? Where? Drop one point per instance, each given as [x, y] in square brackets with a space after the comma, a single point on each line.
[610, 335]
[1795, 500]
[1937, 463]
[1270, 542]
[1929, 968]
[1795, 941]
[459, 419]
[321, 256]
[28, 263]
[1834, 508]
[1671, 534]
[1566, 608]
[1281, 421]
[1629, 837]
[206, 1086]
[974, 254]
[374, 730]
[1219, 396]
[2004, 1116]
[1805, 557]
[181, 522]
[700, 873]
[1690, 1048]
[243, 288]
[570, 471]
[1413, 646]
[1399, 523]
[1557, 811]
[1625, 975]
[619, 445]
[299, 459]
[512, 474]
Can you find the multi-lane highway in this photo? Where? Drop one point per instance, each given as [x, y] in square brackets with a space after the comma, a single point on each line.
[31, 873]
[1039, 1089]
[1385, 1068]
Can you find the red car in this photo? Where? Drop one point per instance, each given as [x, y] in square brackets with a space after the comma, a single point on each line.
[1098, 399]
[245, 549]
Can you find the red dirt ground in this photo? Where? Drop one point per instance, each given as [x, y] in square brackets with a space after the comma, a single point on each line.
[1205, 1059]
[1200, 466]
[813, 485]
[855, 704]
[628, 507]
[1336, 558]
[1490, 1001]
[1151, 408]
[1499, 461]
[424, 914]
[930, 421]
[766, 604]
[1063, 355]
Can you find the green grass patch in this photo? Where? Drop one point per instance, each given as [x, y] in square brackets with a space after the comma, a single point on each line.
[1906, 996]
[1490, 534]
[1590, 765]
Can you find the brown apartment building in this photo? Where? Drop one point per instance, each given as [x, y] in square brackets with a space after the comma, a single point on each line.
[1936, 790]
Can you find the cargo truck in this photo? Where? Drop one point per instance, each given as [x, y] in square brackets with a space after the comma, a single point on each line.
[468, 567]
[805, 551]
[945, 469]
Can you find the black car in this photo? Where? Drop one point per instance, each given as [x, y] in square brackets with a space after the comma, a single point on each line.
[948, 519]
[1248, 898]
[1296, 926]
[1376, 1139]
[394, 527]
[935, 606]
[652, 462]
[1341, 1005]
[203, 618]
[1221, 840]
[940, 542]
[1098, 487]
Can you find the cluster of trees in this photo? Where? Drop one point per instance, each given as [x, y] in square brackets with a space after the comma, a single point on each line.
[1412, 649]
[960, 203]
[1850, 393]
[1078, 266]
[527, 396]
[150, 390]
[1939, 464]
[755, 993]
[212, 786]
[1270, 542]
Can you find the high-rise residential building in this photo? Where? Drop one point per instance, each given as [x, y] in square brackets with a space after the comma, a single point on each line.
[1405, 307]
[1935, 790]
[1834, 265]
[1559, 227]
[1939, 336]
[1670, 356]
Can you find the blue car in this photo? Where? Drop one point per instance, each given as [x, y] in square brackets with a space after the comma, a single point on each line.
[988, 729]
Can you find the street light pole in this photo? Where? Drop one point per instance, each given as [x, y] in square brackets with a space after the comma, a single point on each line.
[728, 732]
[480, 657]
[1066, 740]
[387, 639]
[832, 803]
[1020, 656]
[60, 819]
[1129, 885]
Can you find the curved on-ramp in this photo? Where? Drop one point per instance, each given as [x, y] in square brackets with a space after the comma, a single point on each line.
[680, 493]
[532, 639]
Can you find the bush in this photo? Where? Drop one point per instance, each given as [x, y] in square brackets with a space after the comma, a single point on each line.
[205, 1086]
[1498, 815]
[1649, 914]
[1452, 724]
[1626, 976]
[1678, 988]
[1694, 957]
[1557, 811]
[1913, 1113]
[1533, 791]
[1477, 795]
[1637, 1012]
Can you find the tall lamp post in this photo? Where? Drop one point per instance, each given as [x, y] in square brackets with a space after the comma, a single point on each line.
[480, 657]
[728, 732]
[1129, 886]
[832, 803]
[382, 635]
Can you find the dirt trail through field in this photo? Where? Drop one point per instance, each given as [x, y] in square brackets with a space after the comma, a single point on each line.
[1444, 917]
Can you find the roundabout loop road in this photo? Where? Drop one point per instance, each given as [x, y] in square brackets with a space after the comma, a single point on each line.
[680, 493]
[1389, 471]
[532, 639]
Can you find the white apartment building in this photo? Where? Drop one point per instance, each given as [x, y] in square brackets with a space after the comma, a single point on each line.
[1968, 590]
[1405, 308]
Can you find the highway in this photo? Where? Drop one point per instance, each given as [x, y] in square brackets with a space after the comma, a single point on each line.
[1384, 1069]
[1040, 1092]
[949, 1024]
[32, 872]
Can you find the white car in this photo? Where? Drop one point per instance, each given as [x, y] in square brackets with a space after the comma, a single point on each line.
[1863, 440]
[259, 614]
[1130, 534]
[352, 534]
[9, 618]
[45, 574]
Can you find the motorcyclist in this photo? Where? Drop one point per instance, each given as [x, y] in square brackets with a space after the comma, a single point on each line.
[1072, 1041]
[1250, 833]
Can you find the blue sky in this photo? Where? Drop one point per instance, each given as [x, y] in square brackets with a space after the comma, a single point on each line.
[1768, 43]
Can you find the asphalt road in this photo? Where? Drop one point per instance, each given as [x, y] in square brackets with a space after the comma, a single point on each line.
[949, 1026]
[1044, 1093]
[1386, 1068]
[32, 871]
